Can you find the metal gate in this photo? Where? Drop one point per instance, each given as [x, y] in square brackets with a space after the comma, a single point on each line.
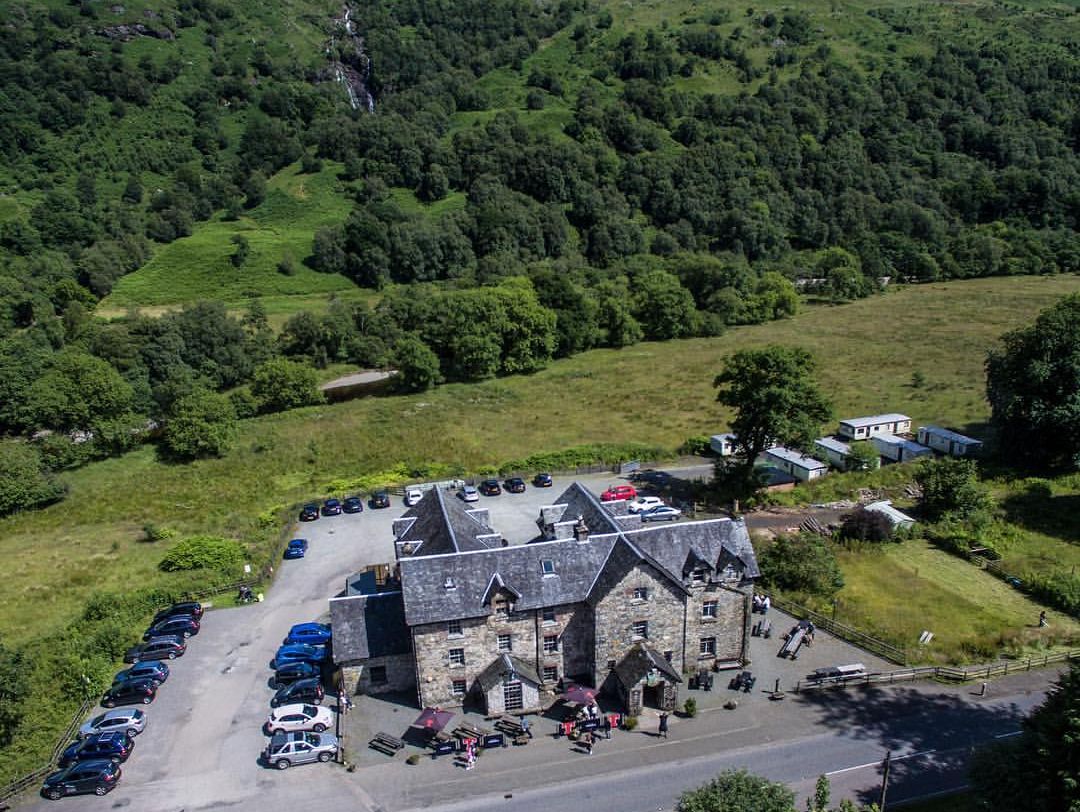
[512, 696]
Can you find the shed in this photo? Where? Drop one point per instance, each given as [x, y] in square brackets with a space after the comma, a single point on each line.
[898, 449]
[898, 519]
[723, 445]
[799, 465]
[949, 442]
[864, 428]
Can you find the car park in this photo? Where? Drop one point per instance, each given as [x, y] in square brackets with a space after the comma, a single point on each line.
[315, 634]
[115, 746]
[297, 548]
[490, 487]
[309, 512]
[617, 493]
[412, 496]
[98, 776]
[331, 507]
[290, 672]
[543, 481]
[287, 749]
[663, 513]
[308, 690]
[644, 503]
[299, 717]
[190, 608]
[178, 625]
[154, 670]
[468, 493]
[131, 721]
[380, 499]
[130, 692]
[354, 504]
[293, 652]
[156, 648]
[515, 484]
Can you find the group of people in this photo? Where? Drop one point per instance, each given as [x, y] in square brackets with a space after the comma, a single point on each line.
[761, 603]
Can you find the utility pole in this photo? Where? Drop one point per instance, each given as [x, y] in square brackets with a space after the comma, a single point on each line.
[885, 779]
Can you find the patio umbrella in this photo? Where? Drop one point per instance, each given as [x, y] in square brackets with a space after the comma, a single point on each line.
[579, 693]
[433, 719]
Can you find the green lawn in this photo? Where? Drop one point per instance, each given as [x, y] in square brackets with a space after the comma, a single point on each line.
[657, 394]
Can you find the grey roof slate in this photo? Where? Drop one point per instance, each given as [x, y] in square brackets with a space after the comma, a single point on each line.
[639, 661]
[441, 523]
[367, 626]
[503, 664]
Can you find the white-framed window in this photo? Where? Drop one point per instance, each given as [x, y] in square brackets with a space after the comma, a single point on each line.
[506, 642]
[707, 646]
[457, 656]
[641, 629]
[708, 609]
[457, 687]
[551, 673]
[549, 614]
[551, 643]
[453, 628]
[641, 593]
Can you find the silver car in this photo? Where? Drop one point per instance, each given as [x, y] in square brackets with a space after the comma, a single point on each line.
[286, 749]
[128, 720]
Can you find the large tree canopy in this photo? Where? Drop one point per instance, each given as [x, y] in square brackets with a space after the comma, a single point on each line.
[1033, 385]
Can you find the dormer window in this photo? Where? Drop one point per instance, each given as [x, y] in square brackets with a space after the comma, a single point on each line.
[547, 566]
[697, 576]
[449, 583]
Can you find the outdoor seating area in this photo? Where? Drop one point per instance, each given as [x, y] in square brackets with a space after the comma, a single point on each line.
[801, 634]
[385, 743]
[743, 681]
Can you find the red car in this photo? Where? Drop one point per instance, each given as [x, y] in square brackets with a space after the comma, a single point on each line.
[617, 493]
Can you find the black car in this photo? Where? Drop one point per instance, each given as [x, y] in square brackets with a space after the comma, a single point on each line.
[96, 775]
[542, 481]
[291, 672]
[179, 625]
[156, 648]
[151, 669]
[190, 608]
[490, 487]
[309, 512]
[515, 484]
[354, 504]
[130, 692]
[380, 499]
[115, 747]
[331, 507]
[308, 691]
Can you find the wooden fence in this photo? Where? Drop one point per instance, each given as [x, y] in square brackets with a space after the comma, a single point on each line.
[25, 782]
[874, 645]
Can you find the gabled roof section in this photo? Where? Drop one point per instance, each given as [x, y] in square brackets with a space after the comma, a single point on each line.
[496, 585]
[367, 626]
[624, 548]
[506, 664]
[580, 501]
[639, 661]
[672, 545]
[442, 524]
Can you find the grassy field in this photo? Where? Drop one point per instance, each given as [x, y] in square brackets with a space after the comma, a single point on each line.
[649, 393]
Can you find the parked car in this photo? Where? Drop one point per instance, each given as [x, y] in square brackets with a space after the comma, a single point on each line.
[156, 648]
[309, 512]
[617, 493]
[287, 749]
[308, 690]
[331, 507]
[468, 493]
[299, 651]
[130, 692]
[663, 513]
[287, 673]
[490, 487]
[190, 608]
[115, 746]
[131, 721]
[354, 504]
[515, 484]
[412, 496]
[299, 717]
[297, 548]
[380, 499]
[178, 625]
[151, 669]
[543, 481]
[99, 776]
[315, 634]
[644, 503]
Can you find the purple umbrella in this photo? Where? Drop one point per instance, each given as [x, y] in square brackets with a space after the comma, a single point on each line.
[433, 719]
[580, 694]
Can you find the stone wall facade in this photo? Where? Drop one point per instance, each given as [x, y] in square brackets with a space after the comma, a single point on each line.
[398, 673]
[717, 614]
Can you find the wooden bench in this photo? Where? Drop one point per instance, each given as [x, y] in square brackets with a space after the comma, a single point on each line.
[385, 743]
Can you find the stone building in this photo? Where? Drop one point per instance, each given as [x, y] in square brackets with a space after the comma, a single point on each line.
[598, 598]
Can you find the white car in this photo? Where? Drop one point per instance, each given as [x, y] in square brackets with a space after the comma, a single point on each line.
[644, 503]
[299, 717]
[412, 496]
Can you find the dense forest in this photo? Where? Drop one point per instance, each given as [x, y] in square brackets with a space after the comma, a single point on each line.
[578, 180]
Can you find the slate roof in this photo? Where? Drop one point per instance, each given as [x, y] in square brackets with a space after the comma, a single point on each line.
[639, 661]
[367, 626]
[506, 663]
[795, 458]
[450, 586]
[441, 523]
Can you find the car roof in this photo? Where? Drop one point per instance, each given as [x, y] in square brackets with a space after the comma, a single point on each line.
[310, 624]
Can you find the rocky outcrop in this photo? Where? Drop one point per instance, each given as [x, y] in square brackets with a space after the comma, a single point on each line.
[129, 31]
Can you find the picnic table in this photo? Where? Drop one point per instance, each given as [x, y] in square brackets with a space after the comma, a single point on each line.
[467, 730]
[385, 743]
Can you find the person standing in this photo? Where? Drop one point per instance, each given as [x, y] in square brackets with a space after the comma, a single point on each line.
[1042, 619]
[587, 740]
[525, 729]
[662, 730]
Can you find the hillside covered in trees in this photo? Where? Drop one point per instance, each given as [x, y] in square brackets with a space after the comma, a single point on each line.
[519, 180]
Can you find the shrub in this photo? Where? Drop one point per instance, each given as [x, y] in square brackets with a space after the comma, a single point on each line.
[280, 384]
[690, 707]
[204, 553]
[24, 482]
[629, 722]
[698, 446]
[802, 563]
[867, 525]
[203, 424]
[413, 759]
[1058, 589]
[155, 532]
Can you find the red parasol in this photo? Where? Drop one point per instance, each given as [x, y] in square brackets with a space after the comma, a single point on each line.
[433, 719]
[579, 693]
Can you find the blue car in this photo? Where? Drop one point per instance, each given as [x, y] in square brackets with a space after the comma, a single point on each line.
[98, 776]
[115, 747]
[297, 548]
[315, 634]
[294, 652]
[154, 670]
